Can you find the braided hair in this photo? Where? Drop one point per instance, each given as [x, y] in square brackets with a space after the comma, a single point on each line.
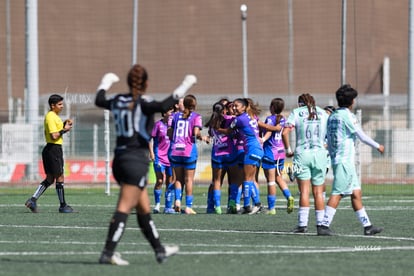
[308, 100]
[137, 79]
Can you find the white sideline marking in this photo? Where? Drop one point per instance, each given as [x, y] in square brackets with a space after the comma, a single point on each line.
[216, 252]
[206, 230]
[343, 206]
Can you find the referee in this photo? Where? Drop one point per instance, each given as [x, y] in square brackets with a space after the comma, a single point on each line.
[52, 155]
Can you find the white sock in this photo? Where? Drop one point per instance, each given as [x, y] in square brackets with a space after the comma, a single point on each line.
[319, 214]
[329, 215]
[303, 216]
[363, 217]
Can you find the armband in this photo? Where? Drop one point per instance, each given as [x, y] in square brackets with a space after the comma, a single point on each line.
[61, 132]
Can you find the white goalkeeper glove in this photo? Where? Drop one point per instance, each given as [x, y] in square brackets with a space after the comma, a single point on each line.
[187, 83]
[107, 80]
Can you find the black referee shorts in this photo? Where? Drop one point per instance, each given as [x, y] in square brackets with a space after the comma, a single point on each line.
[52, 156]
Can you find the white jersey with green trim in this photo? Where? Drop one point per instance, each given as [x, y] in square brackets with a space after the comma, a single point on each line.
[342, 128]
[310, 133]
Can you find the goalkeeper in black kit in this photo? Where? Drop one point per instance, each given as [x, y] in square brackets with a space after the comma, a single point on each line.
[133, 115]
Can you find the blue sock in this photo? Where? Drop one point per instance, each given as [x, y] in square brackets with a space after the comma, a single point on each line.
[234, 189]
[247, 192]
[255, 194]
[157, 195]
[178, 194]
[217, 197]
[239, 194]
[286, 193]
[210, 198]
[271, 201]
[169, 195]
[189, 201]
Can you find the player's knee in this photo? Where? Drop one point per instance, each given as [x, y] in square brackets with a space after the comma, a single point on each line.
[271, 183]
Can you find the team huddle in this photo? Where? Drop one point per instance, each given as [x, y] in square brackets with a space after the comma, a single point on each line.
[240, 143]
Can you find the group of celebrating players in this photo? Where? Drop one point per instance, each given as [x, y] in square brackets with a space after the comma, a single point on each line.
[241, 144]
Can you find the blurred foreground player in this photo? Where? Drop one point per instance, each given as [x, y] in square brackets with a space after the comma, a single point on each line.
[134, 119]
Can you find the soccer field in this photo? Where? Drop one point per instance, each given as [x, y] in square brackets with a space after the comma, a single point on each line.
[49, 243]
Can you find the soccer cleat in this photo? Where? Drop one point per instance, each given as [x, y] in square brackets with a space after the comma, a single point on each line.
[190, 211]
[115, 259]
[271, 212]
[217, 210]
[31, 204]
[170, 211]
[246, 210]
[300, 229]
[323, 230]
[290, 204]
[372, 230]
[166, 252]
[177, 209]
[156, 210]
[232, 208]
[66, 209]
[290, 174]
[256, 209]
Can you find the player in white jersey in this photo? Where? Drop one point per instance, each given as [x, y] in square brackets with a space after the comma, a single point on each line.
[309, 162]
[343, 129]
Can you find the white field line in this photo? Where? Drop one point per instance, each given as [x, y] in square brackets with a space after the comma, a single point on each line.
[220, 252]
[222, 231]
[343, 206]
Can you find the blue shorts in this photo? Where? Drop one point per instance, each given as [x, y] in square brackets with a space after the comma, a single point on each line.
[268, 164]
[240, 157]
[224, 161]
[158, 167]
[253, 157]
[188, 163]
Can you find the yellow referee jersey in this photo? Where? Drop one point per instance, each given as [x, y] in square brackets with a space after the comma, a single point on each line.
[52, 123]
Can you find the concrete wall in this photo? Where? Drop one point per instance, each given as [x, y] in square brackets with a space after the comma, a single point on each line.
[81, 40]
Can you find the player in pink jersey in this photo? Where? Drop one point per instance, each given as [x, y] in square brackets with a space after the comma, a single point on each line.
[274, 157]
[185, 129]
[162, 167]
[223, 156]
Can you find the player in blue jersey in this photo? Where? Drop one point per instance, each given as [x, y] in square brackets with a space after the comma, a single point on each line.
[343, 130]
[247, 127]
[309, 122]
[274, 157]
[134, 119]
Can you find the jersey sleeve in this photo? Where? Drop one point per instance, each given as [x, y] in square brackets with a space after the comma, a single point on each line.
[290, 122]
[101, 101]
